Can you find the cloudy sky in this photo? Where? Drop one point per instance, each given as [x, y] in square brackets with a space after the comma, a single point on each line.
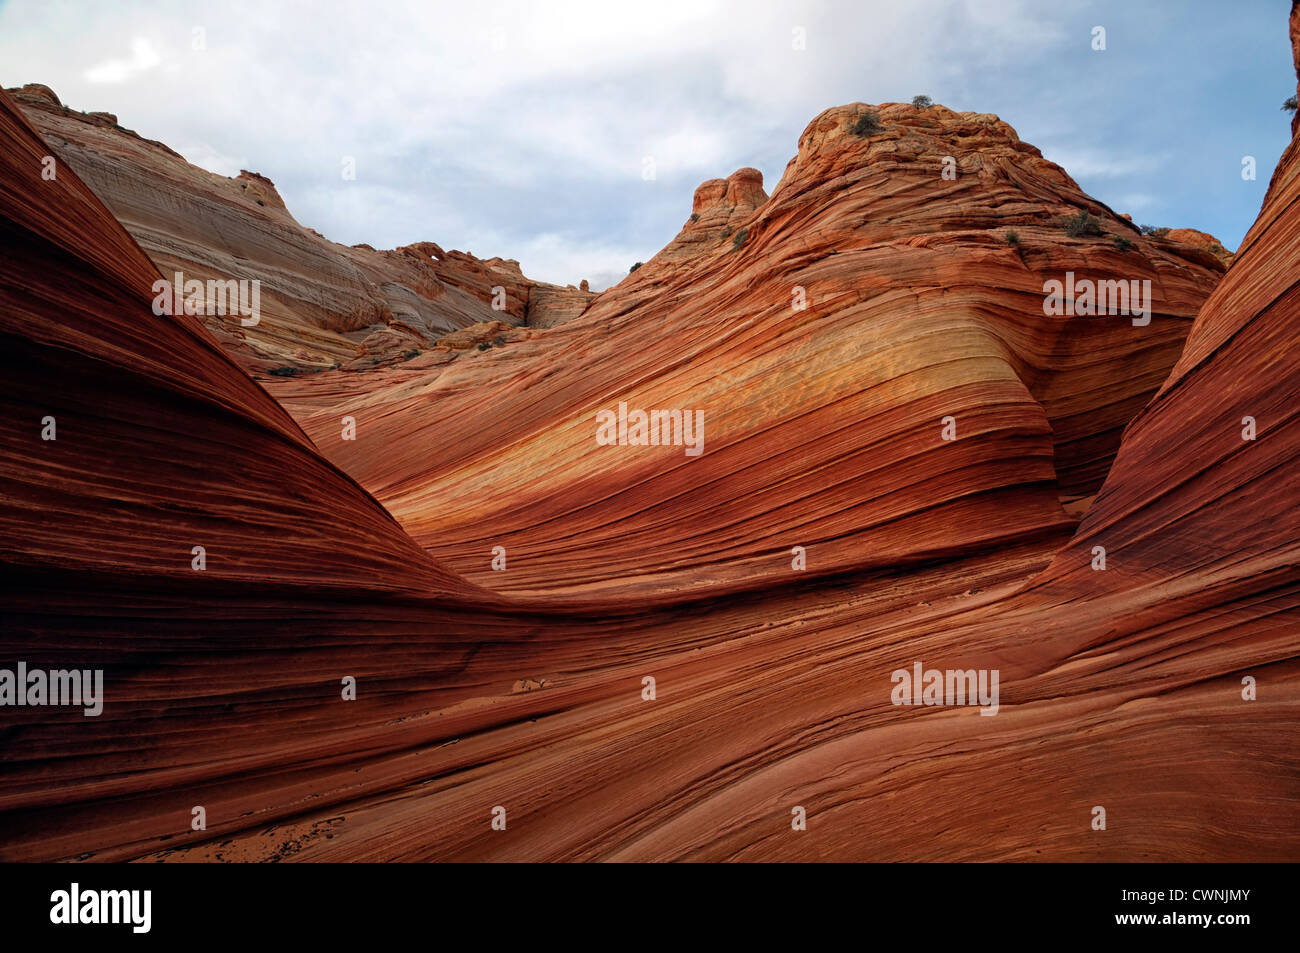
[522, 129]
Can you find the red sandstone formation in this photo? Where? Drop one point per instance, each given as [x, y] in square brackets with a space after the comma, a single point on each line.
[323, 304]
[821, 423]
[160, 444]
[1124, 686]
[1198, 239]
[1121, 687]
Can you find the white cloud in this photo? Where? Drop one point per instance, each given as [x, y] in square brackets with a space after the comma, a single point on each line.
[536, 142]
[548, 126]
[1095, 164]
[205, 156]
[602, 265]
[143, 57]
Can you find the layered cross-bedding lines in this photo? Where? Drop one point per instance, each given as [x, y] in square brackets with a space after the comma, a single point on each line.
[822, 424]
[524, 688]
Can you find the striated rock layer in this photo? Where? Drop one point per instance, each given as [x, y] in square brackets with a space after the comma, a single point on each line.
[159, 444]
[1121, 687]
[824, 335]
[322, 304]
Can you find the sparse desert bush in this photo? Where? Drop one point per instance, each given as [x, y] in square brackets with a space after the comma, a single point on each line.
[868, 124]
[920, 102]
[413, 352]
[1081, 224]
[1122, 243]
[284, 371]
[635, 267]
[1012, 237]
[739, 239]
[1153, 231]
[1290, 104]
